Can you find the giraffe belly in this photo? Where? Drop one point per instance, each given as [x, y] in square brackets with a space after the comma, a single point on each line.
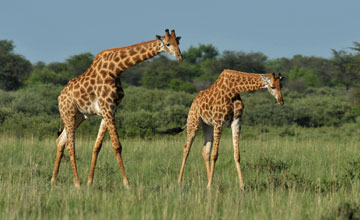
[92, 109]
[96, 107]
[207, 120]
[227, 123]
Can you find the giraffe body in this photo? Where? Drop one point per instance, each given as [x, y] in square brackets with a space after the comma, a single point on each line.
[98, 91]
[221, 106]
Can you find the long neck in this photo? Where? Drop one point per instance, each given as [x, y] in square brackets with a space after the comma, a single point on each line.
[237, 82]
[117, 60]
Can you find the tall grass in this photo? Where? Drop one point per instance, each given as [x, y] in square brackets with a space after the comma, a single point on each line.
[289, 173]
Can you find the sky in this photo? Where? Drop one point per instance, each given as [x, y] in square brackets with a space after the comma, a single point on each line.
[52, 31]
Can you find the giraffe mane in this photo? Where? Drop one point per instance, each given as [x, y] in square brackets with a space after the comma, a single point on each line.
[126, 47]
[243, 73]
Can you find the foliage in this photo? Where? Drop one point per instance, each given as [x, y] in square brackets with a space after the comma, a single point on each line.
[14, 68]
[60, 73]
[317, 91]
[143, 111]
[308, 76]
[34, 110]
[77, 64]
[198, 54]
[319, 107]
[45, 75]
[251, 62]
[347, 64]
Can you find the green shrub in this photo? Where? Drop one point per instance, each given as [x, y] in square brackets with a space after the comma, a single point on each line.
[33, 110]
[319, 107]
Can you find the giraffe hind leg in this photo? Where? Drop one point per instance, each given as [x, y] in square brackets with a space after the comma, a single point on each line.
[70, 127]
[60, 145]
[214, 153]
[62, 141]
[208, 134]
[235, 127]
[191, 133]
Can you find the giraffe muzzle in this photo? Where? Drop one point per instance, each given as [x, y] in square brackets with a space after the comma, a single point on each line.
[281, 102]
[179, 56]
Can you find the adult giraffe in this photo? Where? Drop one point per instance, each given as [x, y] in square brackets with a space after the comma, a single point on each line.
[98, 91]
[220, 106]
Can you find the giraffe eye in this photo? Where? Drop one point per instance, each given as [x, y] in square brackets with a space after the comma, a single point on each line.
[167, 44]
[272, 87]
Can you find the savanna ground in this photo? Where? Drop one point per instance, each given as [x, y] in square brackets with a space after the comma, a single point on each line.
[289, 173]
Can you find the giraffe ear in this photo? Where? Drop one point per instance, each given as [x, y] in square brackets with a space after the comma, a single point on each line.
[158, 37]
[178, 40]
[281, 77]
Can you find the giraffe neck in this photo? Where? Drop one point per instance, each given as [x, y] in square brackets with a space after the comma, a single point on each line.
[253, 82]
[115, 61]
[238, 82]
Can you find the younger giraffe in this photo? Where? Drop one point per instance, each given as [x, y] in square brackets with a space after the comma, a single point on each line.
[220, 106]
[98, 91]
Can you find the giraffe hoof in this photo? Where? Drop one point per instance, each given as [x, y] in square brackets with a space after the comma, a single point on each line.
[126, 184]
[77, 185]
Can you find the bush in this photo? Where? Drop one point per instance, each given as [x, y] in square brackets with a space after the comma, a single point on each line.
[33, 110]
[320, 107]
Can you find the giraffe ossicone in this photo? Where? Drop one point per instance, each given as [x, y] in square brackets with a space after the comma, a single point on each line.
[220, 106]
[98, 91]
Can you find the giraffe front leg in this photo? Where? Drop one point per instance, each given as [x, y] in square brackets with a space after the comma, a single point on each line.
[208, 133]
[214, 153]
[97, 148]
[110, 124]
[235, 128]
[60, 146]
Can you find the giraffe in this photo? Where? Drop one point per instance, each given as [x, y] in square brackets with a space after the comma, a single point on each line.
[220, 106]
[98, 91]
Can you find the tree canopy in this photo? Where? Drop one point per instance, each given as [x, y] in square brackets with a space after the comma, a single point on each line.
[317, 91]
[14, 68]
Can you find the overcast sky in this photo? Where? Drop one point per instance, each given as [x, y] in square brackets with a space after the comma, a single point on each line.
[51, 31]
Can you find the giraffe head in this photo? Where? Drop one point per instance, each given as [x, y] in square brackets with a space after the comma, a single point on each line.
[273, 84]
[170, 44]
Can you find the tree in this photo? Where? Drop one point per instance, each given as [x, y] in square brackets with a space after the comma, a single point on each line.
[201, 53]
[14, 68]
[78, 64]
[58, 67]
[348, 66]
[241, 61]
[300, 66]
[308, 76]
[158, 73]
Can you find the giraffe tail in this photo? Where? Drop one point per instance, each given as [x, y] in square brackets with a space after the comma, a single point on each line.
[60, 129]
[171, 131]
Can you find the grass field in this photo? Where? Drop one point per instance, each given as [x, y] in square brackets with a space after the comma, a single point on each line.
[289, 173]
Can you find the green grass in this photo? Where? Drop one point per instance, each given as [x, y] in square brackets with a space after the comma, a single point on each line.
[289, 173]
